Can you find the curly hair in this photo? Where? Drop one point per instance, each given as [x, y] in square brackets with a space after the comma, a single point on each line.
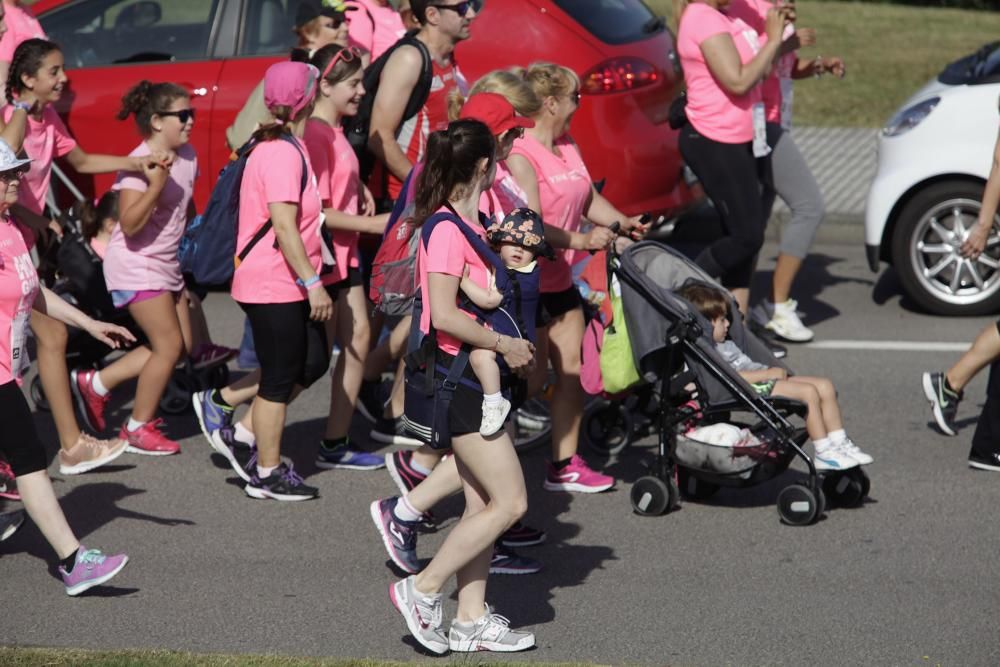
[147, 99]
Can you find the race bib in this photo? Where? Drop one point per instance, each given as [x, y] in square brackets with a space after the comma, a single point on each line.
[760, 147]
[18, 344]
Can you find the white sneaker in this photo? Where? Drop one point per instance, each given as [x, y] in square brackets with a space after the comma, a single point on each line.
[494, 416]
[832, 457]
[848, 447]
[490, 633]
[783, 320]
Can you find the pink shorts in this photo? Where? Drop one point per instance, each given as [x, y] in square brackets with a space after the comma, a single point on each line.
[123, 298]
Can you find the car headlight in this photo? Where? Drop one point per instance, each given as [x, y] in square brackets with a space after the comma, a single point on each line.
[909, 118]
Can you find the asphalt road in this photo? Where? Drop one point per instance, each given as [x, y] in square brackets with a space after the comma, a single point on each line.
[909, 579]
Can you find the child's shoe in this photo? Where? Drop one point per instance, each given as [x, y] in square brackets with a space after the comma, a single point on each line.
[209, 354]
[852, 450]
[944, 401]
[832, 457]
[92, 568]
[282, 484]
[89, 453]
[494, 415]
[90, 403]
[148, 440]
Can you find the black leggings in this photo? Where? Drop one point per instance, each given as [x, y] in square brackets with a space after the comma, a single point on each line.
[20, 444]
[731, 176]
[292, 349]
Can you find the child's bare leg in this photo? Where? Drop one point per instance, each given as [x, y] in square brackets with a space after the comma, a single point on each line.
[484, 364]
[801, 391]
[832, 419]
[984, 351]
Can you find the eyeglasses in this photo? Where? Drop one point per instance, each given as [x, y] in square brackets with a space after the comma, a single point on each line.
[14, 174]
[184, 115]
[347, 54]
[513, 133]
[462, 8]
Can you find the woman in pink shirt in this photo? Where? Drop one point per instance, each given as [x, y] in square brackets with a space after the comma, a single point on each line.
[459, 168]
[21, 25]
[374, 27]
[37, 74]
[277, 283]
[723, 62]
[547, 165]
[349, 210]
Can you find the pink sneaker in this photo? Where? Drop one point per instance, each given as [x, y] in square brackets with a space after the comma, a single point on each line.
[209, 354]
[92, 568]
[148, 440]
[8, 487]
[578, 477]
[91, 403]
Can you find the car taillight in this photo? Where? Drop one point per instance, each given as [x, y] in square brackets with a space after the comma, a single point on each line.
[619, 75]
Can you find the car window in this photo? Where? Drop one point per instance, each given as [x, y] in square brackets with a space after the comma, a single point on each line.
[268, 27]
[613, 21]
[980, 67]
[107, 32]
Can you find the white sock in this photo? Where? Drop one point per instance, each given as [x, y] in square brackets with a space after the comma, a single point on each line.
[822, 443]
[97, 385]
[404, 511]
[133, 425]
[264, 473]
[838, 436]
[493, 399]
[243, 434]
[419, 468]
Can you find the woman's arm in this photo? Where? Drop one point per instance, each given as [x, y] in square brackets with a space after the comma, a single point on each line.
[355, 223]
[980, 234]
[283, 216]
[723, 59]
[602, 212]
[49, 303]
[137, 207]
[446, 317]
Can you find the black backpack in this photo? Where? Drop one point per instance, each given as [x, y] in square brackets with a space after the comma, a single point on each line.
[357, 126]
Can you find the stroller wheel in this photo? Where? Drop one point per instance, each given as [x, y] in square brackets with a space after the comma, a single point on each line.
[651, 496]
[845, 489]
[693, 488]
[607, 427]
[866, 482]
[798, 505]
[176, 397]
[38, 395]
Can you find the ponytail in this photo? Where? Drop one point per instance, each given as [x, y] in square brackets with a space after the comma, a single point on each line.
[92, 216]
[450, 163]
[146, 99]
[279, 126]
[27, 59]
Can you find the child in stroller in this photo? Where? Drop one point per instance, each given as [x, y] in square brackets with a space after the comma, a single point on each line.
[834, 450]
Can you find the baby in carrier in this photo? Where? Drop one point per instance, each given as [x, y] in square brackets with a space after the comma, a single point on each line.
[519, 240]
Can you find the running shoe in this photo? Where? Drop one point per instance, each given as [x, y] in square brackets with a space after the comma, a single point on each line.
[505, 561]
[8, 486]
[399, 465]
[148, 440]
[777, 350]
[371, 401]
[282, 484]
[783, 320]
[520, 535]
[577, 477]
[991, 462]
[944, 401]
[348, 458]
[90, 403]
[92, 568]
[399, 537]
[393, 432]
[422, 614]
[209, 354]
[89, 453]
[211, 415]
[9, 523]
[490, 633]
[494, 417]
[832, 457]
[239, 454]
[852, 450]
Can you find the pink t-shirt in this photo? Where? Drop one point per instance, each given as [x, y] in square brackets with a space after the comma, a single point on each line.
[44, 141]
[754, 14]
[99, 247]
[337, 173]
[21, 25]
[274, 174]
[374, 27]
[564, 189]
[448, 252]
[148, 260]
[714, 112]
[18, 289]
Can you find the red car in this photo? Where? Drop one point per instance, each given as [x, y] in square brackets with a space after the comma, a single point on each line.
[219, 50]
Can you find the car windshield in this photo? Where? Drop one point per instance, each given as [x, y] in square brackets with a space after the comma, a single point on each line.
[983, 66]
[614, 21]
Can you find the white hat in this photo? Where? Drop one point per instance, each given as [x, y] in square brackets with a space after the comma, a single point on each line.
[8, 159]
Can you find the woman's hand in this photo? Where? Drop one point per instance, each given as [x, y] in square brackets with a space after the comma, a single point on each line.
[598, 238]
[320, 305]
[774, 24]
[518, 353]
[367, 201]
[834, 66]
[975, 244]
[635, 228]
[111, 335]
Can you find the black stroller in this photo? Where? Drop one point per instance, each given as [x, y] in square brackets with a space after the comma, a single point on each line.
[673, 349]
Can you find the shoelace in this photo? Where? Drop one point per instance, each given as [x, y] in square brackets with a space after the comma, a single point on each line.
[92, 557]
[228, 434]
[292, 477]
[493, 626]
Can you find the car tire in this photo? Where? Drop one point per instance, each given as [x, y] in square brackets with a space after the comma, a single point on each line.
[925, 252]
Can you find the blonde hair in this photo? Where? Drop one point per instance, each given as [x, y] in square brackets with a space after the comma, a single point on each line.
[549, 79]
[502, 82]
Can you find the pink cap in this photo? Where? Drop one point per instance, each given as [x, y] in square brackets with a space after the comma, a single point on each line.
[290, 84]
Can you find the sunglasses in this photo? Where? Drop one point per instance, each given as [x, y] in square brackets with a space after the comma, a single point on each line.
[575, 96]
[14, 174]
[184, 115]
[463, 8]
[347, 54]
[513, 133]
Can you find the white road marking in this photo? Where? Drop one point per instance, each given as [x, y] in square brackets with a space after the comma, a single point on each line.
[889, 346]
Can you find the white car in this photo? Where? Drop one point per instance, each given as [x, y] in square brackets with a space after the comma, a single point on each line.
[934, 157]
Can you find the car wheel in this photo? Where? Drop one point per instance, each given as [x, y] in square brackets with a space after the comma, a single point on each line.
[926, 252]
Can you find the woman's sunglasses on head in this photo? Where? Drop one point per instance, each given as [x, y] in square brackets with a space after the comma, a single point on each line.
[184, 115]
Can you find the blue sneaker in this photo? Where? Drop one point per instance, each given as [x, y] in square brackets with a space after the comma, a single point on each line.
[399, 537]
[348, 458]
[211, 417]
[505, 561]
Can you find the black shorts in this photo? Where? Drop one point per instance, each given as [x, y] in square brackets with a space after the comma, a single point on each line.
[466, 412]
[554, 304]
[20, 444]
[353, 279]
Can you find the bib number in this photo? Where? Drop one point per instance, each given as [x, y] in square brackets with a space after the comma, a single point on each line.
[760, 147]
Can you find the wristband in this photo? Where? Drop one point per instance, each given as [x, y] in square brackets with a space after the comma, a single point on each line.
[308, 284]
[24, 106]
